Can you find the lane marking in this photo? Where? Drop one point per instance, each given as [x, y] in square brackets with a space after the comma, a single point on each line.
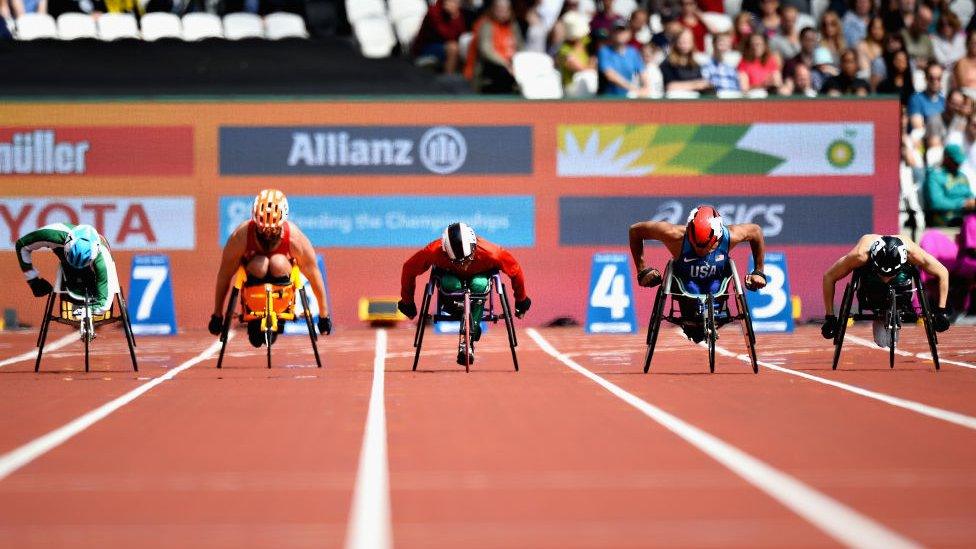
[48, 347]
[924, 356]
[370, 525]
[17, 458]
[835, 519]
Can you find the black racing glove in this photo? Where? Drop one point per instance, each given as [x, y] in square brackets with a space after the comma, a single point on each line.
[829, 328]
[940, 319]
[325, 325]
[522, 307]
[758, 273]
[216, 324]
[409, 309]
[39, 286]
[654, 279]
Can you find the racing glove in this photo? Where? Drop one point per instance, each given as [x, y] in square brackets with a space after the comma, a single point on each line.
[39, 286]
[325, 325]
[409, 309]
[829, 328]
[522, 307]
[216, 324]
[752, 286]
[652, 276]
[940, 319]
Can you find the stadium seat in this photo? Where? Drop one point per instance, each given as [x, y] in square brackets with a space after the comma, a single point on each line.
[357, 10]
[584, 85]
[587, 7]
[804, 20]
[281, 25]
[536, 75]
[757, 93]
[464, 42]
[624, 8]
[242, 25]
[732, 7]
[728, 94]
[33, 26]
[407, 16]
[818, 7]
[963, 9]
[117, 26]
[198, 26]
[717, 22]
[72, 26]
[682, 94]
[160, 24]
[375, 36]
[732, 58]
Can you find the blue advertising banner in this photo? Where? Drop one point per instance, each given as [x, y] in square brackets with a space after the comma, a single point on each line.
[150, 305]
[299, 326]
[375, 150]
[772, 306]
[610, 305]
[395, 221]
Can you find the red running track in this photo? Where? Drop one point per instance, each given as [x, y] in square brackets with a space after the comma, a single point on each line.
[247, 457]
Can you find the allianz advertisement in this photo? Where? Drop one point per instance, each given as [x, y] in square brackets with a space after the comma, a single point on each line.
[395, 221]
[375, 150]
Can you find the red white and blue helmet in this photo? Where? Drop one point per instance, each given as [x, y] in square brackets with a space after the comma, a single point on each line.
[459, 241]
[82, 247]
[704, 227]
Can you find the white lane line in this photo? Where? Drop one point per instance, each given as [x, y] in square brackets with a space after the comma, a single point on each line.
[835, 519]
[15, 459]
[370, 525]
[31, 355]
[924, 356]
[938, 413]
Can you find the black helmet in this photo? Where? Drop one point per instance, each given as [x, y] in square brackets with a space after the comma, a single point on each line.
[888, 254]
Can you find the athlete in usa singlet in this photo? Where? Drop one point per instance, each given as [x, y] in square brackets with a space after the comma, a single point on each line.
[703, 274]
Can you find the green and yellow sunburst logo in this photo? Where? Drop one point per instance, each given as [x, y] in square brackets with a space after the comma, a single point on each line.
[840, 153]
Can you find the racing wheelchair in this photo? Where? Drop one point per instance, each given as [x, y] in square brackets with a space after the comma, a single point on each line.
[75, 310]
[899, 306]
[272, 305]
[713, 313]
[456, 306]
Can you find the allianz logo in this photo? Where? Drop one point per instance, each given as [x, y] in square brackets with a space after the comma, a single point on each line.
[441, 150]
[39, 152]
[769, 216]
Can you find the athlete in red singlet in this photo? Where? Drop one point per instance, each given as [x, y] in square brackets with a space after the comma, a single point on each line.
[267, 245]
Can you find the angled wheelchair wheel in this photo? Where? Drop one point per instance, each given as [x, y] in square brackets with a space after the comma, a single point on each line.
[509, 323]
[311, 327]
[845, 313]
[130, 338]
[418, 338]
[930, 333]
[87, 330]
[710, 332]
[745, 319]
[268, 340]
[893, 325]
[464, 332]
[42, 334]
[654, 325]
[228, 315]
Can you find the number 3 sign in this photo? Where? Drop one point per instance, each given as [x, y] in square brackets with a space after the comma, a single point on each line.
[771, 307]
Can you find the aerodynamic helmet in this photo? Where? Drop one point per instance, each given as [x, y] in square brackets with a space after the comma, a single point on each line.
[82, 247]
[888, 255]
[270, 210]
[704, 227]
[459, 241]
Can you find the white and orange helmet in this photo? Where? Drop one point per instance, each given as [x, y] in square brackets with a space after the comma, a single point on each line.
[270, 210]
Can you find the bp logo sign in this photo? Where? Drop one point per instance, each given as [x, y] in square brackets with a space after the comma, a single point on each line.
[840, 153]
[443, 150]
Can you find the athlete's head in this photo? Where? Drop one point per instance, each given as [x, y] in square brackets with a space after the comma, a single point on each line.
[887, 256]
[704, 229]
[459, 242]
[82, 247]
[270, 211]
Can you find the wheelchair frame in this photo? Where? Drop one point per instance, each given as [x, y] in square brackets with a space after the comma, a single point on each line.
[268, 317]
[892, 316]
[87, 324]
[495, 287]
[710, 323]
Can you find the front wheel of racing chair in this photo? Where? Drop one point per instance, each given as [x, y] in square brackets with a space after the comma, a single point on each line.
[845, 313]
[654, 324]
[711, 333]
[745, 318]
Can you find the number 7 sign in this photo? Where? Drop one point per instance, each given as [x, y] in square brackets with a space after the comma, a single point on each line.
[151, 307]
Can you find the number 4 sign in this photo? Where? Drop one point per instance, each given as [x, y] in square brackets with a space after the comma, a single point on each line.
[150, 304]
[772, 307]
[610, 306]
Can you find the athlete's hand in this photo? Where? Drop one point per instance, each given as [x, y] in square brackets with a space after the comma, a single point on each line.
[522, 307]
[649, 277]
[829, 328]
[755, 280]
[325, 325]
[216, 324]
[408, 308]
[39, 286]
[940, 319]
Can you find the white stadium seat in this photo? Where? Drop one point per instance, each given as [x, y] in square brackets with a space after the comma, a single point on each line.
[584, 84]
[243, 25]
[357, 10]
[76, 25]
[116, 26]
[536, 75]
[963, 10]
[624, 8]
[717, 22]
[198, 26]
[32, 26]
[407, 28]
[375, 36]
[407, 16]
[160, 24]
[280, 25]
[732, 7]
[804, 20]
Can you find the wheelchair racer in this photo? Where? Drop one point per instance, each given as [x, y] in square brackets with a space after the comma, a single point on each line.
[465, 260]
[700, 252]
[882, 262]
[267, 246]
[84, 267]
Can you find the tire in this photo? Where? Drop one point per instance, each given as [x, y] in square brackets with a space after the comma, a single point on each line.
[710, 332]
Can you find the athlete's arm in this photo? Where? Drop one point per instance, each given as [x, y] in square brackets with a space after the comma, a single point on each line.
[45, 237]
[511, 267]
[102, 299]
[415, 266]
[229, 262]
[661, 231]
[925, 261]
[855, 258]
[304, 254]
[751, 233]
